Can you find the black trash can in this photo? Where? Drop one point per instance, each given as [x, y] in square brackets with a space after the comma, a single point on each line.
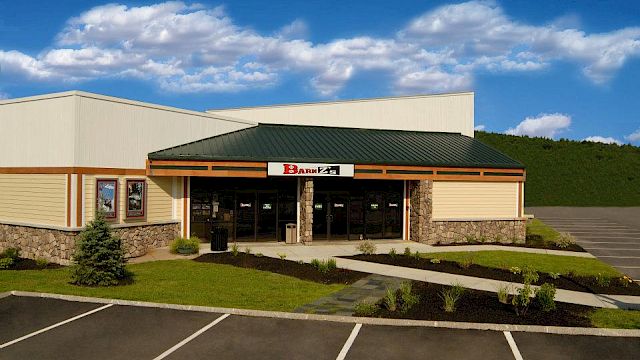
[219, 238]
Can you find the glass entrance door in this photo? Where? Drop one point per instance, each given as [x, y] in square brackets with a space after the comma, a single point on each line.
[373, 215]
[267, 221]
[338, 220]
[246, 219]
[320, 216]
[392, 215]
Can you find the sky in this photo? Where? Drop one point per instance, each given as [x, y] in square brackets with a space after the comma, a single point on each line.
[557, 69]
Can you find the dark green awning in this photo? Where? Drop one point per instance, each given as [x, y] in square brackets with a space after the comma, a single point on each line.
[281, 143]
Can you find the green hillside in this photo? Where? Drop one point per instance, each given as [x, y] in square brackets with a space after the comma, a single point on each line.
[573, 173]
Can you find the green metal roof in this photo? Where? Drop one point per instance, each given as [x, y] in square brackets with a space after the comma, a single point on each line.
[294, 143]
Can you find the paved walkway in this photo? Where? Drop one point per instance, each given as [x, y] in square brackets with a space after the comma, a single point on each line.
[369, 289]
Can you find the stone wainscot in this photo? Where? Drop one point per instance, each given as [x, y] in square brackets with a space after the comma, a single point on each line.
[57, 245]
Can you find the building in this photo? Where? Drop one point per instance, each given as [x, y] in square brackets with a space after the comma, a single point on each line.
[390, 168]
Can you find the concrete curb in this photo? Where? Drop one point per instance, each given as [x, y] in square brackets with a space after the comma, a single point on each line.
[348, 319]
[5, 294]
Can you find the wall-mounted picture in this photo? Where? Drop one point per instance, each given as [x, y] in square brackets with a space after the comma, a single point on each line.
[107, 197]
[136, 190]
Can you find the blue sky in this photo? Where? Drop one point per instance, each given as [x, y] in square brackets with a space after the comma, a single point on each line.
[542, 68]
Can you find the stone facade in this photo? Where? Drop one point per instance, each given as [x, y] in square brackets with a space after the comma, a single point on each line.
[306, 209]
[425, 229]
[57, 245]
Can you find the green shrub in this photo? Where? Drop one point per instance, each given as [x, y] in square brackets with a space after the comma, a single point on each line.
[450, 297]
[625, 280]
[235, 250]
[416, 255]
[98, 257]
[282, 256]
[42, 263]
[529, 275]
[503, 294]
[522, 300]
[515, 270]
[392, 252]
[259, 255]
[6, 263]
[247, 250]
[367, 247]
[185, 246]
[407, 251]
[331, 264]
[602, 280]
[365, 309]
[407, 298]
[564, 240]
[389, 300]
[554, 276]
[315, 263]
[435, 261]
[545, 297]
[11, 253]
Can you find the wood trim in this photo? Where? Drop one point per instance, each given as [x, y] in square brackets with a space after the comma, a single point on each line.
[72, 170]
[79, 200]
[520, 199]
[407, 205]
[68, 200]
[185, 204]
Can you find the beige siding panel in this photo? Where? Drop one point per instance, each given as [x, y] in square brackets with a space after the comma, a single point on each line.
[159, 198]
[446, 112]
[120, 135]
[475, 200]
[37, 133]
[33, 198]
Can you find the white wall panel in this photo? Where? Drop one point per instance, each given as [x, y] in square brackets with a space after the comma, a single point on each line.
[475, 200]
[445, 113]
[37, 132]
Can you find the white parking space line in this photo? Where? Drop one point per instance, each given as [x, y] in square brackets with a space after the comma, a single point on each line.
[349, 342]
[54, 326]
[628, 267]
[610, 249]
[512, 345]
[191, 337]
[617, 257]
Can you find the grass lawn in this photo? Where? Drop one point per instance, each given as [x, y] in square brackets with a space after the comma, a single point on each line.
[537, 227]
[541, 262]
[615, 318]
[183, 282]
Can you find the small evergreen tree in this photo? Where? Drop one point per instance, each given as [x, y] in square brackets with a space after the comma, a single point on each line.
[99, 256]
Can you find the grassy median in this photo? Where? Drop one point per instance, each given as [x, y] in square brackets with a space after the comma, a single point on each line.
[540, 262]
[183, 282]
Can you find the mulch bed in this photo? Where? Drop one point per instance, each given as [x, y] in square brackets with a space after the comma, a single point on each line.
[302, 271]
[484, 307]
[29, 264]
[568, 282]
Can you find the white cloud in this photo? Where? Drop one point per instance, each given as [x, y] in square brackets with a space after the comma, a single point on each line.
[198, 48]
[544, 125]
[634, 137]
[604, 140]
[479, 128]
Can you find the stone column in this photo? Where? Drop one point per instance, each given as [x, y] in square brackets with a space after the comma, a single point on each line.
[306, 210]
[420, 220]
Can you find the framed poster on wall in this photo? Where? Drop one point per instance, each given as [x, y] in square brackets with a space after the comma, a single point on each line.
[107, 197]
[136, 198]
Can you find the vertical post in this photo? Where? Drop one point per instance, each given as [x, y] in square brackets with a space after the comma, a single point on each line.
[298, 210]
[185, 206]
[306, 209]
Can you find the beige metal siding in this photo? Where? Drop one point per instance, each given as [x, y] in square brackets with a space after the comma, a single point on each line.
[159, 207]
[120, 135]
[475, 200]
[37, 133]
[33, 199]
[443, 113]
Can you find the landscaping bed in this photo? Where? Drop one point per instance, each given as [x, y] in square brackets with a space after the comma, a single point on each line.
[561, 281]
[298, 270]
[29, 264]
[481, 307]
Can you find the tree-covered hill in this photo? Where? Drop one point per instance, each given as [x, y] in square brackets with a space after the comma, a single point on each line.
[573, 173]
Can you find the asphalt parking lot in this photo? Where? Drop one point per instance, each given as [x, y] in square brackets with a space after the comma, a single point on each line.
[611, 234]
[42, 328]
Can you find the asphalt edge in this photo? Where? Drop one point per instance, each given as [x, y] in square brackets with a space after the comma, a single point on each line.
[345, 319]
[5, 294]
